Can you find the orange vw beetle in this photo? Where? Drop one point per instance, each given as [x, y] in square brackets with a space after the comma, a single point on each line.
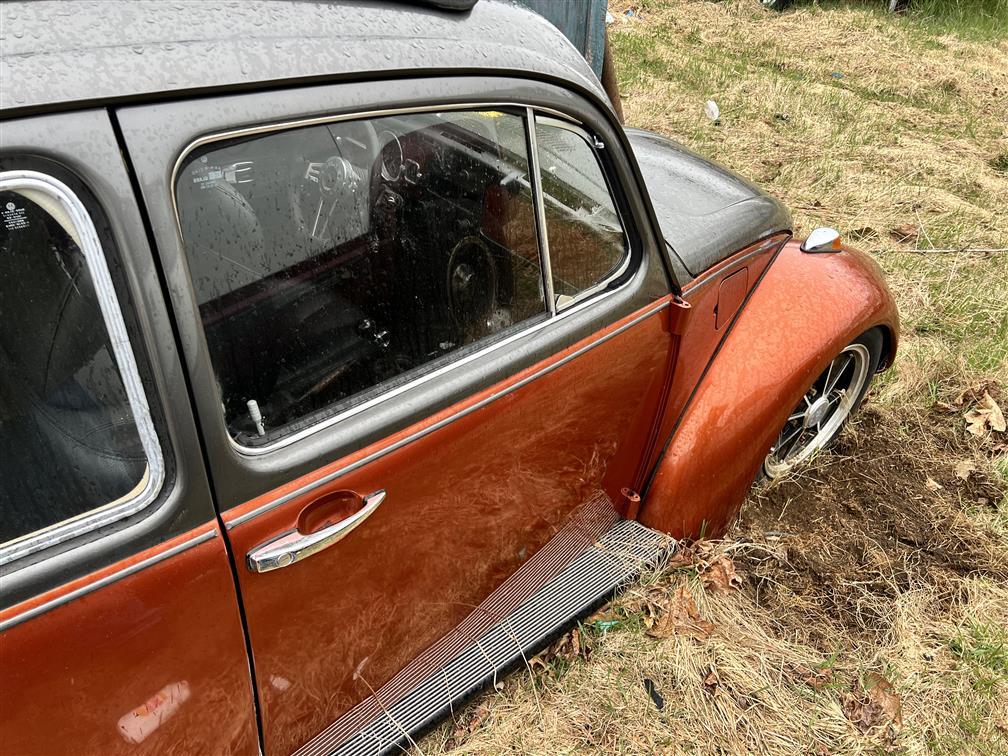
[349, 352]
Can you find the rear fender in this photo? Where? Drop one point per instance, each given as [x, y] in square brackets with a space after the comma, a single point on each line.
[805, 310]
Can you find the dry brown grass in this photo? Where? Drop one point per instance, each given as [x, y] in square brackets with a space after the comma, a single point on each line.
[881, 564]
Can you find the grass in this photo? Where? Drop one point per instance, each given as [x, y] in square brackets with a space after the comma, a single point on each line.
[880, 565]
[983, 19]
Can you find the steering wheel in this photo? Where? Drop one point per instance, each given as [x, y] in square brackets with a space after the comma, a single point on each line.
[325, 193]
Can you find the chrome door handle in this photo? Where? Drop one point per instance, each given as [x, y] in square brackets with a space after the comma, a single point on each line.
[294, 546]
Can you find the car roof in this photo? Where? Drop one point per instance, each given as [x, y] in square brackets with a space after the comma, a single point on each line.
[56, 55]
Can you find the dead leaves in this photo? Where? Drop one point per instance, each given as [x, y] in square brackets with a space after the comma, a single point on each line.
[464, 728]
[877, 704]
[713, 566]
[964, 467]
[670, 614]
[720, 576]
[711, 681]
[817, 679]
[984, 415]
[569, 647]
[681, 617]
[905, 234]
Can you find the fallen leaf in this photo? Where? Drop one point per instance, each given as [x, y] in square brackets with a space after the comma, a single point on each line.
[464, 729]
[964, 467]
[908, 232]
[479, 717]
[720, 576]
[684, 556]
[878, 704]
[862, 713]
[932, 484]
[814, 678]
[976, 422]
[997, 418]
[570, 646]
[962, 396]
[711, 682]
[986, 414]
[605, 614]
[681, 617]
[882, 693]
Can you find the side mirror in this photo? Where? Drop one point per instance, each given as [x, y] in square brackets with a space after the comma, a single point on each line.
[822, 240]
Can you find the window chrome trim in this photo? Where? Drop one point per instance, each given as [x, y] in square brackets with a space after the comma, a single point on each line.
[535, 177]
[577, 305]
[94, 256]
[115, 577]
[579, 130]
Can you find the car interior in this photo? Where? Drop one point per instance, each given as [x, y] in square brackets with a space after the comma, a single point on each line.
[334, 259]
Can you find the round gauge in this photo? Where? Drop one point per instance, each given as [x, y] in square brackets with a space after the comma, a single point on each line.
[391, 156]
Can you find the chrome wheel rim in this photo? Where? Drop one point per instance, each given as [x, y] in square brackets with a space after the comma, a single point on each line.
[821, 412]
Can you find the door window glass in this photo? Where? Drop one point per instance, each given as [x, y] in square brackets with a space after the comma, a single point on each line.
[332, 262]
[587, 245]
[69, 437]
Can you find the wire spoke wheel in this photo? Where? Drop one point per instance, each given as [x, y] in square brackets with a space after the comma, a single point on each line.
[822, 412]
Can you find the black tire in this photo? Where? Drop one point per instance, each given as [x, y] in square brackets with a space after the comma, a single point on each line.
[874, 341]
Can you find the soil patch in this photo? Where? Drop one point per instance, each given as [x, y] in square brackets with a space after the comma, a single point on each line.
[879, 516]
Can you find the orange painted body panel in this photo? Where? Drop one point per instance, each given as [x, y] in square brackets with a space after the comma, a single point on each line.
[467, 504]
[700, 337]
[806, 309]
[151, 663]
[731, 293]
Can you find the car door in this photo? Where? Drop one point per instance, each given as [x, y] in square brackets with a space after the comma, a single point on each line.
[415, 378]
[120, 630]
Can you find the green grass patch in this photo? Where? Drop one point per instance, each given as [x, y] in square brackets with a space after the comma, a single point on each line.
[977, 19]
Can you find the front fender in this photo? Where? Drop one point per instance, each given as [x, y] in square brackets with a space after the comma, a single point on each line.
[805, 310]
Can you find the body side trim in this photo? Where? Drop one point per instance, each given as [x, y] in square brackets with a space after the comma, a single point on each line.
[107, 580]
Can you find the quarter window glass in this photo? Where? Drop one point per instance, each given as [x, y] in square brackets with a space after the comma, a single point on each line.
[68, 439]
[335, 261]
[587, 245]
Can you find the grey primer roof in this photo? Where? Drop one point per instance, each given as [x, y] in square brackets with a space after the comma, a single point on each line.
[54, 54]
[706, 212]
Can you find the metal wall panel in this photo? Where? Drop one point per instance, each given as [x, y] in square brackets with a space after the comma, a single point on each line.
[581, 21]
